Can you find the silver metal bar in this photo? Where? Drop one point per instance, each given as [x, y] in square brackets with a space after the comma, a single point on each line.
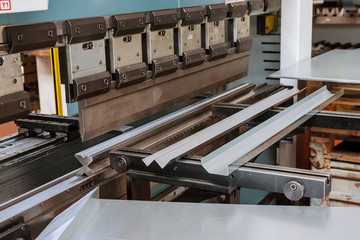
[181, 148]
[86, 157]
[253, 142]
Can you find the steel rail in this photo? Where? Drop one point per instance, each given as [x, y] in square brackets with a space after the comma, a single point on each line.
[86, 157]
[242, 149]
[182, 147]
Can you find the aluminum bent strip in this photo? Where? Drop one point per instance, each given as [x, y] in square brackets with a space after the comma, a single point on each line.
[234, 154]
[182, 147]
[86, 157]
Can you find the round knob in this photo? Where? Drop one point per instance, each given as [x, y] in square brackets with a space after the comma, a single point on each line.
[294, 191]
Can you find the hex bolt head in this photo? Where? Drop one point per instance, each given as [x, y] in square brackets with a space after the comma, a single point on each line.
[122, 24]
[101, 27]
[77, 30]
[20, 37]
[22, 104]
[158, 19]
[106, 82]
[83, 88]
[50, 34]
[2, 61]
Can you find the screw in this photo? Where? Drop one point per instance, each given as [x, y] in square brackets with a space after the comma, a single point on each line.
[293, 187]
[23, 228]
[100, 62]
[83, 88]
[201, 13]
[142, 71]
[243, 19]
[174, 63]
[141, 21]
[124, 76]
[77, 30]
[158, 19]
[14, 81]
[22, 104]
[189, 59]
[50, 33]
[122, 24]
[2, 61]
[137, 54]
[154, 50]
[170, 47]
[175, 168]
[188, 15]
[159, 67]
[119, 58]
[213, 12]
[77, 67]
[101, 27]
[202, 55]
[174, 17]
[106, 82]
[20, 37]
[232, 176]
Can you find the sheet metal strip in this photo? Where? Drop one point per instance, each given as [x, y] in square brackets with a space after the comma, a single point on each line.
[181, 148]
[253, 142]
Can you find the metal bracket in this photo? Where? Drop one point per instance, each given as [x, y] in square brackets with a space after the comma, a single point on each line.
[256, 7]
[128, 24]
[82, 30]
[218, 51]
[13, 106]
[237, 9]
[244, 44]
[217, 12]
[163, 19]
[131, 74]
[165, 65]
[91, 85]
[272, 6]
[192, 16]
[193, 58]
[30, 37]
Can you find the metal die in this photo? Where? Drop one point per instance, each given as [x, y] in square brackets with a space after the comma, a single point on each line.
[15, 105]
[160, 43]
[125, 50]
[193, 58]
[219, 50]
[10, 74]
[90, 86]
[214, 33]
[189, 38]
[244, 44]
[165, 65]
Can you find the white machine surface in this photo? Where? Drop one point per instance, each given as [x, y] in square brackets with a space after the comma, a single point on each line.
[334, 66]
[117, 219]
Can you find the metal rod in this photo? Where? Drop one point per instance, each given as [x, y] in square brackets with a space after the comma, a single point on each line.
[182, 147]
[86, 157]
[253, 142]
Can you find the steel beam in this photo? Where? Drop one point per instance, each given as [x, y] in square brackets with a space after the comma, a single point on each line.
[234, 154]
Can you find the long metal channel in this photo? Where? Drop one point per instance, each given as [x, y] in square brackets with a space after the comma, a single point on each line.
[86, 157]
[253, 142]
[182, 147]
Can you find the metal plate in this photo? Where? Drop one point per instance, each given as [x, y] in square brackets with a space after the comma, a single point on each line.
[85, 62]
[217, 12]
[214, 32]
[160, 43]
[256, 7]
[31, 37]
[130, 75]
[192, 16]
[13, 106]
[90, 86]
[82, 30]
[124, 106]
[244, 44]
[241, 27]
[128, 24]
[219, 50]
[10, 74]
[334, 66]
[189, 38]
[165, 65]
[272, 5]
[163, 19]
[237, 9]
[124, 51]
[193, 58]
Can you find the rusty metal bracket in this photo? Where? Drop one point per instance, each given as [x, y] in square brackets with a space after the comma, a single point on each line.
[82, 30]
[90, 86]
[193, 58]
[217, 12]
[13, 106]
[165, 65]
[30, 37]
[163, 19]
[218, 51]
[244, 44]
[318, 161]
[192, 16]
[131, 74]
[238, 9]
[128, 24]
